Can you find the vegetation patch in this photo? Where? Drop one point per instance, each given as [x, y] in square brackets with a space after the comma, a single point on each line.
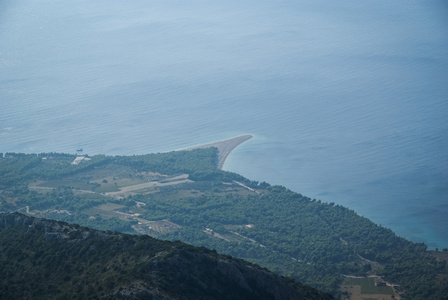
[367, 288]
[74, 184]
[293, 235]
[107, 210]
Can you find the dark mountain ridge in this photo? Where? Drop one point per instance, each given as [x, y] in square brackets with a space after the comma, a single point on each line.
[182, 195]
[46, 259]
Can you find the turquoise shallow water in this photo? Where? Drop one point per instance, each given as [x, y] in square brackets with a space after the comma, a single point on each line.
[347, 103]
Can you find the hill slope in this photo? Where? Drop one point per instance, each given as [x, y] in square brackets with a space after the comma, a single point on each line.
[43, 259]
[183, 196]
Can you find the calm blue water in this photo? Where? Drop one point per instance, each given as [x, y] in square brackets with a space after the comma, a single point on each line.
[347, 101]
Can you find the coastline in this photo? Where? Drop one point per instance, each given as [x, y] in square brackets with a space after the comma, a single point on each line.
[224, 147]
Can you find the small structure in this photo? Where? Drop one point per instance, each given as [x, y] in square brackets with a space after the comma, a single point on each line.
[379, 282]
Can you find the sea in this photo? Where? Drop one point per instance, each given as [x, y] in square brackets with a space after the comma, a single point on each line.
[347, 100]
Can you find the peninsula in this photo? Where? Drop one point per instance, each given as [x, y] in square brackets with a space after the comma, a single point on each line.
[224, 147]
[182, 195]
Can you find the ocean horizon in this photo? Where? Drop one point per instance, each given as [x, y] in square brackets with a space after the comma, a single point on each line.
[346, 102]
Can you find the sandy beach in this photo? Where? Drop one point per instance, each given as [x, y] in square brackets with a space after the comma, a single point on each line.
[224, 147]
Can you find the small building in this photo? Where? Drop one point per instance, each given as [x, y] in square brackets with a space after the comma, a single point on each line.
[379, 282]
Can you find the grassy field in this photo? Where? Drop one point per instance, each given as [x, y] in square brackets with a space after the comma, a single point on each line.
[365, 289]
[107, 210]
[55, 183]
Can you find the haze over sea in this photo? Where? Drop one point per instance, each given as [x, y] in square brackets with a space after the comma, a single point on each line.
[347, 100]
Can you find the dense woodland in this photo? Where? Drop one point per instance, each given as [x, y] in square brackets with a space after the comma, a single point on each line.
[43, 259]
[313, 242]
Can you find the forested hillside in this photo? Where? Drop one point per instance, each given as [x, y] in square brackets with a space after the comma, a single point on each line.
[183, 196]
[43, 259]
